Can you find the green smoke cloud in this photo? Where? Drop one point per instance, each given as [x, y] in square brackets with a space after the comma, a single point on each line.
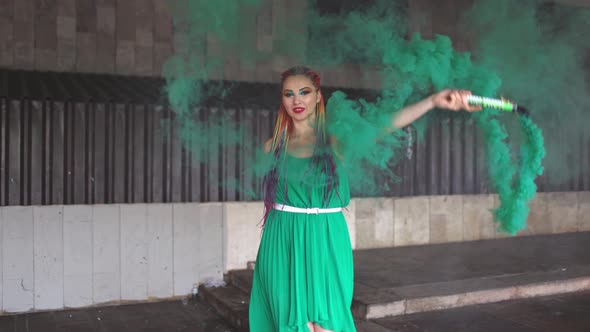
[407, 69]
[539, 49]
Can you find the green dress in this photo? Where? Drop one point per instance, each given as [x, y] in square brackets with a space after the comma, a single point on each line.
[304, 268]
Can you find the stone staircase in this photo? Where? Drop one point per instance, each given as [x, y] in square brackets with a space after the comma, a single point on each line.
[406, 280]
[231, 301]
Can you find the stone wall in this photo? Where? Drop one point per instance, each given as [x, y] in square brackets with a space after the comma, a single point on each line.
[60, 256]
[130, 37]
[135, 37]
[78, 255]
[389, 222]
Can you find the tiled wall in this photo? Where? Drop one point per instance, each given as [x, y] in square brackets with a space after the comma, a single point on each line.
[131, 37]
[135, 37]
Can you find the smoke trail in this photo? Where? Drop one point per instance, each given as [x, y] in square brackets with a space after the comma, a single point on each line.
[207, 33]
[410, 70]
[513, 211]
[538, 48]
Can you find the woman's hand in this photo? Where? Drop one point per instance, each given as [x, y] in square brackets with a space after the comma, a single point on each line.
[454, 100]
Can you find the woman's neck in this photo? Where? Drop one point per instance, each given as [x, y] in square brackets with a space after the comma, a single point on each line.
[302, 130]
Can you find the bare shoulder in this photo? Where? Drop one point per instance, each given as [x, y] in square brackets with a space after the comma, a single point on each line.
[267, 145]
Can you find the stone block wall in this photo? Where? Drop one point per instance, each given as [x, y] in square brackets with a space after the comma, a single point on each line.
[389, 222]
[71, 256]
[129, 37]
[135, 37]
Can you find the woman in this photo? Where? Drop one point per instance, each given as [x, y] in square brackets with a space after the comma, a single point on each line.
[303, 280]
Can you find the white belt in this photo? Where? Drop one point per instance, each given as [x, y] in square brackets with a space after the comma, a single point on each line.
[287, 208]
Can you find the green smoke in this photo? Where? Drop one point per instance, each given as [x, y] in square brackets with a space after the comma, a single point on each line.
[407, 69]
[410, 70]
[515, 195]
[538, 48]
[207, 34]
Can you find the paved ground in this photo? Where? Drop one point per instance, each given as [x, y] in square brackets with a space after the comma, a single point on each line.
[560, 313]
[168, 316]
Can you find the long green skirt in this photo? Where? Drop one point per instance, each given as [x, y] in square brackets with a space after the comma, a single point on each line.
[304, 267]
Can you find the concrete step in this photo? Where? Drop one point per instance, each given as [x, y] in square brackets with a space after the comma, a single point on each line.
[371, 303]
[229, 302]
[399, 281]
[405, 280]
[241, 279]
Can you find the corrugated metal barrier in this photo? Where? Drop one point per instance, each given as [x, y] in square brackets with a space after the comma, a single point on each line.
[91, 139]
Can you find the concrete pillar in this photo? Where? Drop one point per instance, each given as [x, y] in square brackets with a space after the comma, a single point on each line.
[77, 241]
[374, 222]
[477, 219]
[18, 261]
[211, 241]
[584, 211]
[186, 247]
[446, 219]
[48, 257]
[106, 248]
[412, 224]
[539, 221]
[563, 211]
[243, 233]
[134, 252]
[160, 250]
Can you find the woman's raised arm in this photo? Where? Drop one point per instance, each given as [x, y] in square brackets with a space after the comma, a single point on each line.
[454, 100]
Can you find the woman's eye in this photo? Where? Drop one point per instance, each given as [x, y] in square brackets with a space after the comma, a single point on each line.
[288, 94]
[303, 93]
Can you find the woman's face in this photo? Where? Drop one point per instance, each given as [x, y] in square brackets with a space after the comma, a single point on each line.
[300, 97]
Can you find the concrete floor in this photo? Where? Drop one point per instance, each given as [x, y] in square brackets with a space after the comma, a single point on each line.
[165, 316]
[558, 313]
[393, 274]
[562, 313]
